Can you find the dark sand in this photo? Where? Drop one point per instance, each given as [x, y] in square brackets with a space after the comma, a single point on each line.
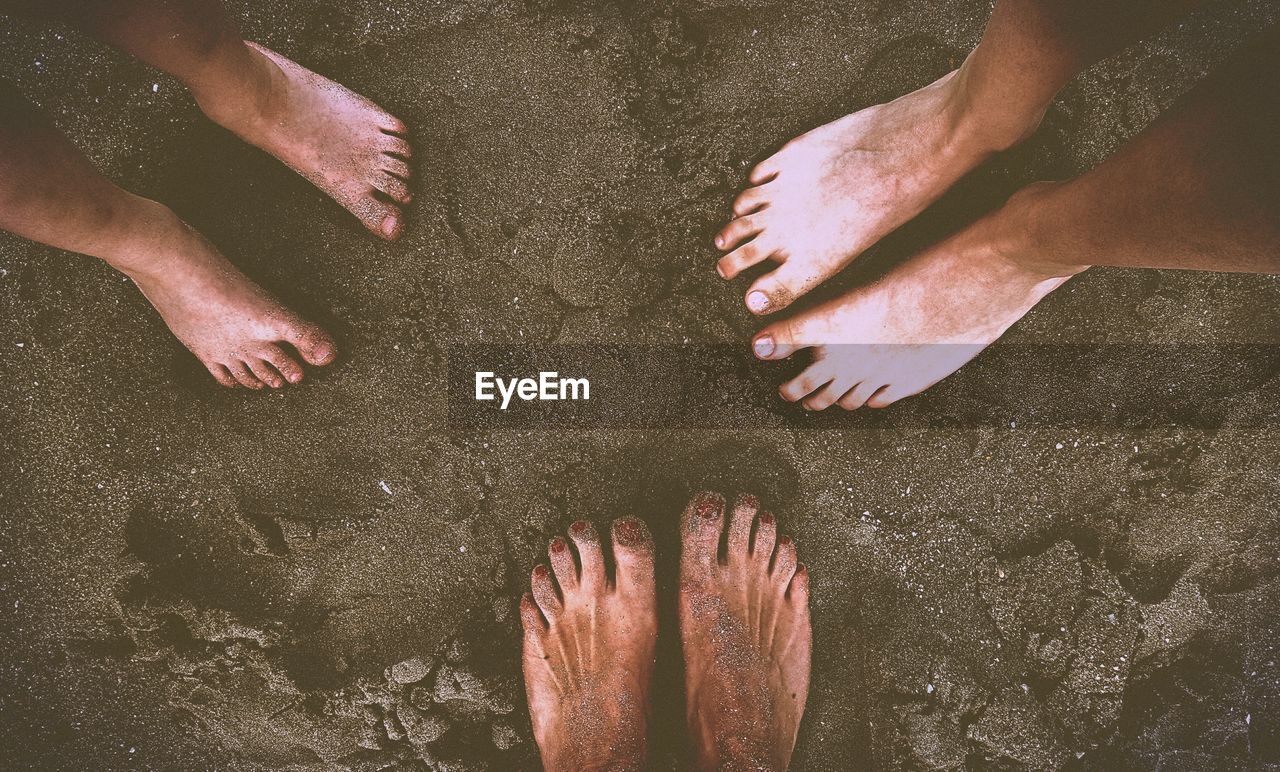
[325, 578]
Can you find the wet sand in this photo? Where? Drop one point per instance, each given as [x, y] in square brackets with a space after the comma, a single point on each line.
[325, 578]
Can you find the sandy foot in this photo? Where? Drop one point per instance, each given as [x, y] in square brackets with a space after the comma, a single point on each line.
[237, 330]
[830, 194]
[589, 650]
[921, 322]
[744, 624]
[341, 142]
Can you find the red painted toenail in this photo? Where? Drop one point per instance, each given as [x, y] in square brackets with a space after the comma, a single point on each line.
[629, 532]
[784, 540]
[708, 508]
[557, 545]
[578, 527]
[767, 518]
[540, 571]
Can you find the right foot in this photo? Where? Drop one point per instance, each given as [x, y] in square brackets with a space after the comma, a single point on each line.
[832, 193]
[744, 624]
[589, 650]
[233, 326]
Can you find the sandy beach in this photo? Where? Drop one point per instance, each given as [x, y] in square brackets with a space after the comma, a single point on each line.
[326, 577]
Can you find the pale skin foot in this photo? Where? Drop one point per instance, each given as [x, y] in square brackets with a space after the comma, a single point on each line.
[589, 650]
[341, 142]
[922, 321]
[744, 625]
[832, 193]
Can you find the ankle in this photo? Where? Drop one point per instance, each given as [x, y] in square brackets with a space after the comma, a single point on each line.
[1019, 233]
[138, 242]
[239, 88]
[988, 120]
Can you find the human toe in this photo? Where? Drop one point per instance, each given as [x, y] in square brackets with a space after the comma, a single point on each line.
[738, 231]
[811, 379]
[701, 524]
[585, 538]
[633, 551]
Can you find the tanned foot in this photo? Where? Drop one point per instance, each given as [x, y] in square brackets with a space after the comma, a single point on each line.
[924, 320]
[589, 650]
[237, 330]
[830, 194]
[341, 142]
[744, 624]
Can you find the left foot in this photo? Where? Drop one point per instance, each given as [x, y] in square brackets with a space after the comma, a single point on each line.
[921, 322]
[589, 650]
[341, 142]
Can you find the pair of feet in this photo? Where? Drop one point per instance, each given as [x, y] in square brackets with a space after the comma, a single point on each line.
[344, 144]
[832, 193]
[744, 625]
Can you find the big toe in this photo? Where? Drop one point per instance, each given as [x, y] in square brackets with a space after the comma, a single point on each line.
[314, 344]
[633, 553]
[383, 218]
[784, 338]
[780, 287]
[700, 525]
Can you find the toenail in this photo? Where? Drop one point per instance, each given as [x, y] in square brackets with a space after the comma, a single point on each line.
[767, 518]
[784, 540]
[764, 346]
[579, 527]
[629, 532]
[540, 571]
[708, 509]
[557, 545]
[758, 302]
[390, 225]
[720, 270]
[720, 242]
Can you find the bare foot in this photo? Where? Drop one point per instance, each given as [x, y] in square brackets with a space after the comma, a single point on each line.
[236, 329]
[830, 194]
[923, 321]
[589, 651]
[744, 623]
[341, 142]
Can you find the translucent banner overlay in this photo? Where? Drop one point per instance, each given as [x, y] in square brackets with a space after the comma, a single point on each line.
[726, 387]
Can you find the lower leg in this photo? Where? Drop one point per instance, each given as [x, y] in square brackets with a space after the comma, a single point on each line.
[1199, 189]
[193, 40]
[341, 142]
[1032, 48]
[50, 193]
